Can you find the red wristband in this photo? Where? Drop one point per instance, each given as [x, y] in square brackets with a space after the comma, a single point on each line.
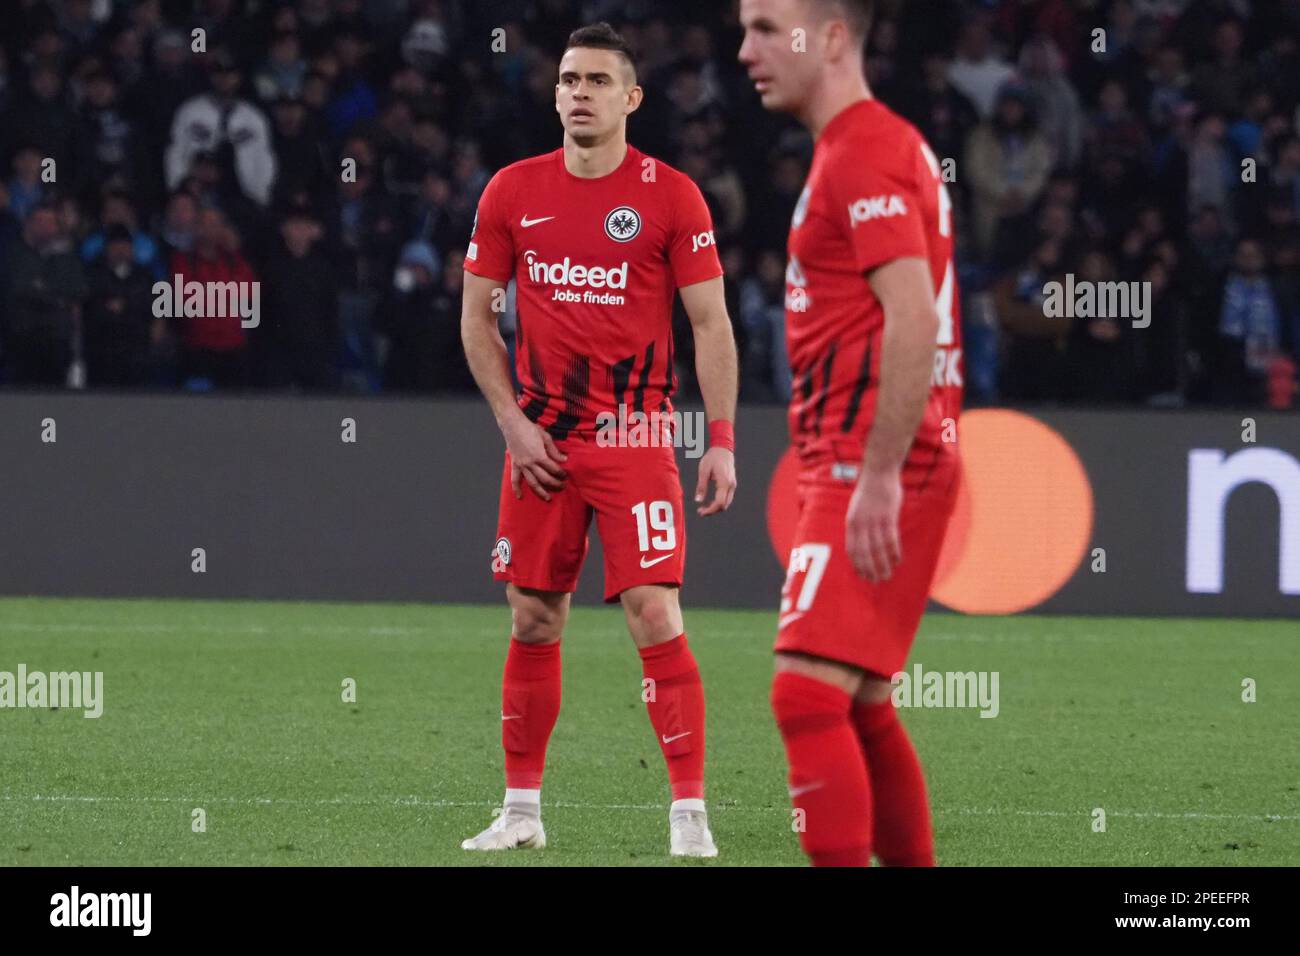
[722, 435]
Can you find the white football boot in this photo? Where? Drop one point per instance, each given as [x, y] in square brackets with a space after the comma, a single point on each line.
[688, 834]
[511, 830]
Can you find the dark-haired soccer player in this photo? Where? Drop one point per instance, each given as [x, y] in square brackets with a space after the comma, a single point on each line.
[597, 237]
[874, 343]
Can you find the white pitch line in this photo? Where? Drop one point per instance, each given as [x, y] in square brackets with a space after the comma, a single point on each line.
[421, 802]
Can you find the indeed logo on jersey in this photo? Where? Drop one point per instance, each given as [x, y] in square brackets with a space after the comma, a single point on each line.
[877, 207]
[566, 273]
[569, 275]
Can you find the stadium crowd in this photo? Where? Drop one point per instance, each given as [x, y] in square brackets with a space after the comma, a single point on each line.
[1164, 149]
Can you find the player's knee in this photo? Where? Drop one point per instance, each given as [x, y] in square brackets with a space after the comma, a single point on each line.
[803, 704]
[536, 621]
[652, 613]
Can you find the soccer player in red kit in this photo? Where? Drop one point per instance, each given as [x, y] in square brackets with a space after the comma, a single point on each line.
[598, 237]
[875, 352]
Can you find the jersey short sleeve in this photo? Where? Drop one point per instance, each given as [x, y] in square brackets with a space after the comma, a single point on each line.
[491, 251]
[692, 251]
[879, 207]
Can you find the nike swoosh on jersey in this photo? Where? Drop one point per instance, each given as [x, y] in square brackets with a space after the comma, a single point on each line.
[669, 740]
[788, 619]
[526, 222]
[650, 564]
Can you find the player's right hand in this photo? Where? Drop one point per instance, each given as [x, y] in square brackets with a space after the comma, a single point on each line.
[534, 459]
[871, 527]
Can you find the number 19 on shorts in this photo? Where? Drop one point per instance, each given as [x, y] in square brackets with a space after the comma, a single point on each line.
[656, 516]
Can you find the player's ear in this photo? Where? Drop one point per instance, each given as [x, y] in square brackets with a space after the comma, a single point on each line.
[840, 40]
[634, 97]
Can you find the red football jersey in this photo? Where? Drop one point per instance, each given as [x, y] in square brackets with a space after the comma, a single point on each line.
[874, 193]
[596, 263]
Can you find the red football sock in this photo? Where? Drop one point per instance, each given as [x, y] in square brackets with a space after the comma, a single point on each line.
[902, 833]
[676, 708]
[828, 778]
[530, 703]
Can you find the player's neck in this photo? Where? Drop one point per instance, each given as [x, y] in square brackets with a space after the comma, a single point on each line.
[592, 162]
[835, 95]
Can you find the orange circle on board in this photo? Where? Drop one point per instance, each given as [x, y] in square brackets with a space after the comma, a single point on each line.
[1021, 524]
[1022, 520]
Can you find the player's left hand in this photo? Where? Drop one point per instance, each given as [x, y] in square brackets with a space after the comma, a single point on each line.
[719, 466]
[871, 528]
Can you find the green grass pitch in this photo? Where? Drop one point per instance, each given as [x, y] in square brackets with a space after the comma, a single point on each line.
[236, 708]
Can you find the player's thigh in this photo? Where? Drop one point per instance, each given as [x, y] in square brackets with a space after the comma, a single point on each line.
[540, 545]
[844, 676]
[537, 617]
[637, 497]
[828, 611]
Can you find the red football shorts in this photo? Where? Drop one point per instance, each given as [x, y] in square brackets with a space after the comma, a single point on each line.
[827, 609]
[636, 496]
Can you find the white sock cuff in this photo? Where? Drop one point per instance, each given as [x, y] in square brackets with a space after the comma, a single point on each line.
[533, 797]
[686, 806]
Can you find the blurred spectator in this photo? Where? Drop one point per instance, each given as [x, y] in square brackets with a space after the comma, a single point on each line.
[117, 210]
[1033, 362]
[1053, 100]
[45, 290]
[297, 342]
[354, 100]
[220, 122]
[1169, 84]
[1115, 130]
[25, 189]
[285, 71]
[367, 225]
[107, 136]
[1221, 83]
[42, 118]
[303, 157]
[764, 365]
[416, 327]
[119, 329]
[1210, 171]
[213, 346]
[1007, 163]
[977, 71]
[1099, 351]
[178, 226]
[1250, 326]
[944, 116]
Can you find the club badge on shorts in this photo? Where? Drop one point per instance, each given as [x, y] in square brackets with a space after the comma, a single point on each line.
[500, 555]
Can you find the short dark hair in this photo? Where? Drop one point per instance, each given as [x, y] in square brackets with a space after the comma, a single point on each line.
[858, 13]
[602, 36]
